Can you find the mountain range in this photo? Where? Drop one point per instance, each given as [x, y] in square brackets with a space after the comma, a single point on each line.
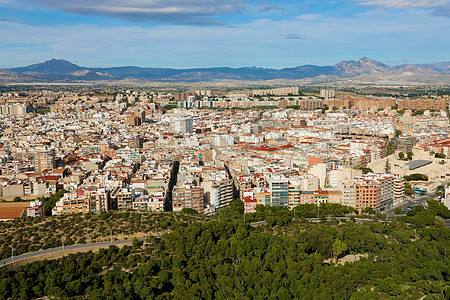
[364, 69]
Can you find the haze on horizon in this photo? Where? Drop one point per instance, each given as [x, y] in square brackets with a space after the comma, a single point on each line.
[234, 33]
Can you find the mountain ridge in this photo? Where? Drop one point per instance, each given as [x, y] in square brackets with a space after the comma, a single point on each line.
[60, 70]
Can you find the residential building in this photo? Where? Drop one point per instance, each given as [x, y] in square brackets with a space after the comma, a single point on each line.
[36, 209]
[187, 196]
[279, 192]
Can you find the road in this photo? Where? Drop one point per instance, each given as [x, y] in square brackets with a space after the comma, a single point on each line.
[412, 203]
[29, 255]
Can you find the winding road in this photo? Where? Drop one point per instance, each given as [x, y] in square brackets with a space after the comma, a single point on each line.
[18, 258]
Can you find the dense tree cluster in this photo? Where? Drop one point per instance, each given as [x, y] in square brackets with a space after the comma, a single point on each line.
[415, 177]
[420, 216]
[33, 234]
[277, 215]
[50, 202]
[230, 259]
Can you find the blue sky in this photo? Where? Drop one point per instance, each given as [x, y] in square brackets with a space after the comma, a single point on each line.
[235, 33]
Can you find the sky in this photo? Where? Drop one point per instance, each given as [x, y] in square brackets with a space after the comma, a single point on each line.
[216, 33]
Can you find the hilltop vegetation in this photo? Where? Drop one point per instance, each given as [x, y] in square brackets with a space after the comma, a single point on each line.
[33, 234]
[229, 259]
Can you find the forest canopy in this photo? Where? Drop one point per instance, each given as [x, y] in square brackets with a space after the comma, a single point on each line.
[229, 259]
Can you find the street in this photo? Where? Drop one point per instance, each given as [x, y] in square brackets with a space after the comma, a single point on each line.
[20, 257]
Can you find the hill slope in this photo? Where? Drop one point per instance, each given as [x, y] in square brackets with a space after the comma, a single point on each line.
[59, 70]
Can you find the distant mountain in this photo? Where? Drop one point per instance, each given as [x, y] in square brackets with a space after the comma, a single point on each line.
[362, 66]
[443, 67]
[366, 69]
[51, 67]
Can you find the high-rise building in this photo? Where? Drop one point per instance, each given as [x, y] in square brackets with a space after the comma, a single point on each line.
[319, 170]
[326, 93]
[44, 159]
[185, 125]
[99, 200]
[122, 198]
[13, 109]
[187, 196]
[134, 120]
[135, 142]
[279, 189]
[218, 194]
[294, 193]
[277, 92]
[378, 191]
[348, 193]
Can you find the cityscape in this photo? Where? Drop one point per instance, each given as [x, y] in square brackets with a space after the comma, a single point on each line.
[200, 149]
[224, 150]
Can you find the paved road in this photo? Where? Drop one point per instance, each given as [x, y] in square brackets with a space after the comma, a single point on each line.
[17, 258]
[391, 211]
[411, 203]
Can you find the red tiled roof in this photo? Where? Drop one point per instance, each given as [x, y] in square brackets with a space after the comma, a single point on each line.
[314, 160]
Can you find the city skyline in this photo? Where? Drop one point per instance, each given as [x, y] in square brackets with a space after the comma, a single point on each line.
[181, 34]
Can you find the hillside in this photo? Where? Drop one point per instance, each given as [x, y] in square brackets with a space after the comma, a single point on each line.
[364, 69]
[229, 259]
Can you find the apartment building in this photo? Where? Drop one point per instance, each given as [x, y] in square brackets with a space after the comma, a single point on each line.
[367, 194]
[279, 189]
[99, 199]
[378, 191]
[43, 159]
[218, 193]
[122, 198]
[36, 209]
[188, 196]
[294, 193]
[422, 104]
[263, 197]
[307, 197]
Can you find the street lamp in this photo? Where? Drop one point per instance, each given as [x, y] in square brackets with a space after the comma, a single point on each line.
[12, 253]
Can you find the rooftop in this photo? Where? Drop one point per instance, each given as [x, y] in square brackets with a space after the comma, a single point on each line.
[415, 164]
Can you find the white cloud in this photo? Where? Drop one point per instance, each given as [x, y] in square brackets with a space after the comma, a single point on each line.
[262, 8]
[396, 35]
[402, 4]
[174, 11]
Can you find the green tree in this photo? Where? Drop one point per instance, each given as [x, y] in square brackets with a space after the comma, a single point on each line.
[438, 208]
[136, 242]
[339, 247]
[188, 210]
[50, 202]
[409, 155]
[369, 210]
[233, 211]
[401, 155]
[387, 167]
[364, 170]
[416, 177]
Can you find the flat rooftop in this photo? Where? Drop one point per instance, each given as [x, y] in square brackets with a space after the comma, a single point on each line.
[11, 210]
[415, 164]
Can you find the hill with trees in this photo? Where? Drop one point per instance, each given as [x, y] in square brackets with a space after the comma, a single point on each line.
[224, 258]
